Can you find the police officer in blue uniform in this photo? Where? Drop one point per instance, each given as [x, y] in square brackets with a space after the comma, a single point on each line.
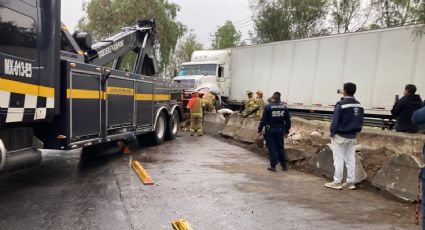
[277, 122]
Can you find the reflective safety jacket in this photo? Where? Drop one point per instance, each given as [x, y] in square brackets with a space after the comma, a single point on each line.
[195, 106]
[208, 98]
[260, 103]
[250, 105]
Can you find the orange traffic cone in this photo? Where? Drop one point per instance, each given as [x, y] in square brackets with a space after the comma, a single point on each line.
[126, 150]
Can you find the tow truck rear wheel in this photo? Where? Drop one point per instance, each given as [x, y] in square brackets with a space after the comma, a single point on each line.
[173, 126]
[156, 137]
[160, 129]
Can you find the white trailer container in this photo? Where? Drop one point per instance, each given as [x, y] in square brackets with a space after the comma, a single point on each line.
[308, 72]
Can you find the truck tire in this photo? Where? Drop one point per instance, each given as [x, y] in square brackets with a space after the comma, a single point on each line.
[160, 129]
[173, 126]
[156, 137]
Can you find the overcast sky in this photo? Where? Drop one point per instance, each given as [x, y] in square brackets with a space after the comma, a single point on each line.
[203, 16]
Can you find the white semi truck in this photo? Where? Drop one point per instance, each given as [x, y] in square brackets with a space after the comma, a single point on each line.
[308, 72]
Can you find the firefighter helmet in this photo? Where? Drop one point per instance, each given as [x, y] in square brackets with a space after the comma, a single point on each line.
[260, 93]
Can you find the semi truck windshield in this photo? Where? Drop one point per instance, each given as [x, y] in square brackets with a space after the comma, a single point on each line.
[204, 69]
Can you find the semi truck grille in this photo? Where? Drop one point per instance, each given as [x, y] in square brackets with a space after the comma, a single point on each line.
[187, 84]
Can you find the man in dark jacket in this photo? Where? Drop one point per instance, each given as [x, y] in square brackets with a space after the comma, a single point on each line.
[277, 121]
[404, 108]
[347, 122]
[418, 118]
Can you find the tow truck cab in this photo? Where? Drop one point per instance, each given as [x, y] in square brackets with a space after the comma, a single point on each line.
[29, 70]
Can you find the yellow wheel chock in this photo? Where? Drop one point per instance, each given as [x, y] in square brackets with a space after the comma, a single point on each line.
[181, 224]
[141, 172]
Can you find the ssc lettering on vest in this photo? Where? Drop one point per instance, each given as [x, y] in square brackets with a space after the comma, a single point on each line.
[278, 113]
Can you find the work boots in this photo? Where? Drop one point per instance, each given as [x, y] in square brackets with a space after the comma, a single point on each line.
[273, 169]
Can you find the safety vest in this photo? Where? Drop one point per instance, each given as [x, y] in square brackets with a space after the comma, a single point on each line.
[195, 106]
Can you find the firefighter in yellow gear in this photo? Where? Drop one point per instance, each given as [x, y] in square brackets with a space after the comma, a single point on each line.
[208, 99]
[250, 104]
[260, 103]
[196, 116]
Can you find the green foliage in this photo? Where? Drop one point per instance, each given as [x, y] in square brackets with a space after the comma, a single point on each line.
[106, 17]
[285, 19]
[183, 52]
[226, 36]
[391, 13]
[349, 15]
[421, 18]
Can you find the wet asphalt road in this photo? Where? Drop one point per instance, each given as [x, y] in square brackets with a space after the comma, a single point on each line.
[212, 184]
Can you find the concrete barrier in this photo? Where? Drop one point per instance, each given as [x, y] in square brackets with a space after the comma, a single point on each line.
[322, 164]
[411, 144]
[234, 123]
[399, 176]
[248, 131]
[214, 122]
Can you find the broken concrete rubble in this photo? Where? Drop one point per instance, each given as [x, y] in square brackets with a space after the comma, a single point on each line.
[374, 159]
[300, 149]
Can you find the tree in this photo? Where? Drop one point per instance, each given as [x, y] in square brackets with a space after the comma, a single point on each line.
[349, 15]
[183, 52]
[106, 17]
[226, 36]
[288, 19]
[420, 32]
[391, 13]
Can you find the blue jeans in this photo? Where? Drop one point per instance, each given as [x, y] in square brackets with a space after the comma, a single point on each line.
[274, 141]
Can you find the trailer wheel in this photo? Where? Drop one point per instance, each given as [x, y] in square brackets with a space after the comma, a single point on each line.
[173, 126]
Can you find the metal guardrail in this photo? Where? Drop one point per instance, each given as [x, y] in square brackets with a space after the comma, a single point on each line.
[379, 121]
[384, 123]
